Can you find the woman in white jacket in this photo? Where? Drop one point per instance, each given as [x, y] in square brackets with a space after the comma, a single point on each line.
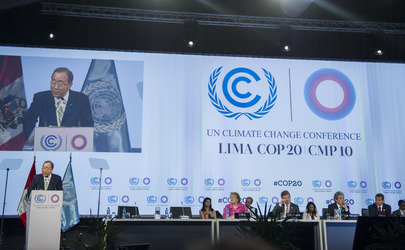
[311, 213]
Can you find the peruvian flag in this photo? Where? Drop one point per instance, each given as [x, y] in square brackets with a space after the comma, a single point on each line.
[13, 104]
[23, 202]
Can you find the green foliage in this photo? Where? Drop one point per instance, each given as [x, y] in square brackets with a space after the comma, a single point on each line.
[390, 237]
[106, 236]
[266, 228]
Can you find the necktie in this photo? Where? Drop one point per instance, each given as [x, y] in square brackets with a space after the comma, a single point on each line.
[379, 210]
[59, 111]
[287, 210]
[46, 183]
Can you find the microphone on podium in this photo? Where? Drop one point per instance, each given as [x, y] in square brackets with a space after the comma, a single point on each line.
[183, 216]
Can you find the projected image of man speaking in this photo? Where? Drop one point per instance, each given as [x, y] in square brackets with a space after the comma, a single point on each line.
[59, 106]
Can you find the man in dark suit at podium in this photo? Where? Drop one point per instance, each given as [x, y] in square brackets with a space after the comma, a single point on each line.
[339, 205]
[59, 106]
[46, 180]
[379, 208]
[285, 206]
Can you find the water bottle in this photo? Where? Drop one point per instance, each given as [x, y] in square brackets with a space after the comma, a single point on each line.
[337, 214]
[227, 213]
[108, 213]
[124, 212]
[167, 213]
[157, 213]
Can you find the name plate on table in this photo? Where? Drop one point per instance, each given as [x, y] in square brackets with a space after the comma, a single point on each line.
[63, 139]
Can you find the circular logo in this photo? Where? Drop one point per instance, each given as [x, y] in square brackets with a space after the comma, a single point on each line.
[79, 142]
[397, 185]
[146, 181]
[151, 199]
[201, 199]
[363, 184]
[164, 199]
[189, 199]
[299, 200]
[134, 181]
[108, 180]
[51, 142]
[172, 181]
[40, 198]
[106, 106]
[274, 200]
[351, 184]
[310, 199]
[316, 183]
[245, 182]
[263, 200]
[221, 182]
[257, 182]
[369, 201]
[125, 199]
[328, 183]
[184, 181]
[69, 193]
[386, 184]
[349, 94]
[209, 182]
[240, 96]
[95, 180]
[55, 198]
[112, 199]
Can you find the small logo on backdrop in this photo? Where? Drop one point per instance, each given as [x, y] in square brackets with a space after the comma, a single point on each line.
[201, 199]
[369, 201]
[238, 88]
[95, 180]
[164, 199]
[299, 200]
[311, 98]
[386, 184]
[209, 182]
[351, 184]
[125, 199]
[189, 199]
[134, 181]
[40, 198]
[397, 185]
[245, 182]
[112, 199]
[363, 184]
[310, 199]
[51, 142]
[263, 200]
[151, 199]
[79, 142]
[108, 180]
[184, 181]
[221, 182]
[171, 181]
[328, 183]
[146, 181]
[257, 182]
[316, 183]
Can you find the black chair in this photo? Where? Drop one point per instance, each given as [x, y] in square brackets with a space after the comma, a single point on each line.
[178, 211]
[134, 211]
[324, 213]
[219, 215]
[365, 212]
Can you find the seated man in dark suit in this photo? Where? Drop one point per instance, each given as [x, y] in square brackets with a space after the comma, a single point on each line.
[59, 106]
[46, 180]
[285, 206]
[379, 208]
[401, 211]
[339, 204]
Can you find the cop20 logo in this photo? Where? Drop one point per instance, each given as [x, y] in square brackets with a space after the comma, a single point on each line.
[237, 87]
[245, 182]
[172, 181]
[316, 183]
[209, 182]
[263, 200]
[112, 199]
[299, 200]
[369, 201]
[151, 199]
[327, 76]
[40, 198]
[351, 184]
[134, 181]
[51, 142]
[189, 199]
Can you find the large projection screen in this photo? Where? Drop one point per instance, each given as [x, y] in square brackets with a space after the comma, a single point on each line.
[204, 126]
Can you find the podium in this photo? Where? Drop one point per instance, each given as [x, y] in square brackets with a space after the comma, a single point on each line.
[63, 139]
[44, 220]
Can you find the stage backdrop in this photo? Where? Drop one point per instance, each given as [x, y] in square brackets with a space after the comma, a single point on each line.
[204, 126]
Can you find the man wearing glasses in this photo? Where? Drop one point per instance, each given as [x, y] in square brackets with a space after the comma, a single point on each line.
[59, 106]
[46, 180]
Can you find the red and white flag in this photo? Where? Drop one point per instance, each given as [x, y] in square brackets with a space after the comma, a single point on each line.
[23, 202]
[13, 104]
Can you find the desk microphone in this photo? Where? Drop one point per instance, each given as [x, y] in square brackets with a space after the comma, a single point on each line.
[183, 216]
